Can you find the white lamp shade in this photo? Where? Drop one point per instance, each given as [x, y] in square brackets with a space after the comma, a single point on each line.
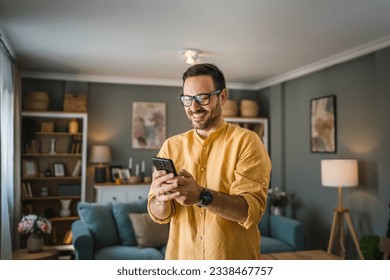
[100, 154]
[339, 173]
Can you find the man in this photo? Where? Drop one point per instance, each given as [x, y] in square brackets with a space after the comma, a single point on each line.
[219, 195]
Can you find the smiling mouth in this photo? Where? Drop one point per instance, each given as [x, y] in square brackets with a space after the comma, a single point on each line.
[198, 115]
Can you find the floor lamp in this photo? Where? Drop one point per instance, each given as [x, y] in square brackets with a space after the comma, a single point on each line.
[341, 173]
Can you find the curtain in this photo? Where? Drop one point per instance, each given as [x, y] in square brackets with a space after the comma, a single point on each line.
[7, 96]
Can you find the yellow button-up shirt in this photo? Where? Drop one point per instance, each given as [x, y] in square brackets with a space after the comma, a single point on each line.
[234, 161]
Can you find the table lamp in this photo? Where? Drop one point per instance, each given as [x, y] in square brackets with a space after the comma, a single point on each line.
[341, 173]
[100, 154]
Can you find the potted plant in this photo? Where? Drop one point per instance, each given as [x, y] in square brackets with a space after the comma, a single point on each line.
[37, 226]
[278, 200]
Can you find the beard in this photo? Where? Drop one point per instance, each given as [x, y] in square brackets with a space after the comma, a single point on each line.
[203, 119]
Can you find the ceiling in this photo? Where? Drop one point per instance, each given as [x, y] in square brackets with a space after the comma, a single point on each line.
[255, 42]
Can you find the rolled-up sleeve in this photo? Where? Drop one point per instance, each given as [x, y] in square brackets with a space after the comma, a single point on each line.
[252, 177]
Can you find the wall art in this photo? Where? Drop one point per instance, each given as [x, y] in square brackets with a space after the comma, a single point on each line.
[149, 125]
[323, 124]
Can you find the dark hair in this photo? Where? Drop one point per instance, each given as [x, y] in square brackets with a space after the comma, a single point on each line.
[208, 70]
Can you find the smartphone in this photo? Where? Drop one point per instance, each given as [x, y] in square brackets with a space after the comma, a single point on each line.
[164, 164]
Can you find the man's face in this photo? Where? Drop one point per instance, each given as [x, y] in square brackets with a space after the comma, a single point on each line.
[202, 117]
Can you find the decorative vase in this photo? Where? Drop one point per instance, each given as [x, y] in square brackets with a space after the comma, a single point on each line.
[53, 146]
[276, 210]
[44, 191]
[35, 243]
[65, 211]
[73, 126]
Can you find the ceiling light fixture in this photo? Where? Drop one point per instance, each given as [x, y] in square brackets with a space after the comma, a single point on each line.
[190, 55]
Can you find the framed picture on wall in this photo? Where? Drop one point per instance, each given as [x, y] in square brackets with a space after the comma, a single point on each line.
[148, 125]
[323, 124]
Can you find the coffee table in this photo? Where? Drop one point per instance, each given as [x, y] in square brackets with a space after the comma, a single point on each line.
[48, 253]
[301, 255]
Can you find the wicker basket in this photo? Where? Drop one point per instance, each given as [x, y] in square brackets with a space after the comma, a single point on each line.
[36, 101]
[230, 108]
[249, 108]
[75, 102]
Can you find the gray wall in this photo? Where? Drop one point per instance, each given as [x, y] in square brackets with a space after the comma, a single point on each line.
[362, 91]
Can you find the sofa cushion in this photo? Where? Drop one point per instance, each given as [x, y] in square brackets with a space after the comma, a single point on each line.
[271, 245]
[120, 252]
[264, 222]
[147, 232]
[120, 211]
[99, 220]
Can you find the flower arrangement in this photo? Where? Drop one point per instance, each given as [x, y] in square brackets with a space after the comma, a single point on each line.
[34, 224]
[278, 198]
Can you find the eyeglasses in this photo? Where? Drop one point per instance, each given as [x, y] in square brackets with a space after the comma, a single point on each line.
[202, 99]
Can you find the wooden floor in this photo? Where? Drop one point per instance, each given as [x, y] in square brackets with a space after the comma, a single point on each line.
[301, 255]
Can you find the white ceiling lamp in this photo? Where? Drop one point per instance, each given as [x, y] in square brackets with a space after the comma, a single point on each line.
[190, 55]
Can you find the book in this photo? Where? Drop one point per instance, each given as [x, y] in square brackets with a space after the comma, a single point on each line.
[77, 169]
[68, 237]
[70, 144]
[24, 191]
[29, 190]
[28, 209]
[77, 147]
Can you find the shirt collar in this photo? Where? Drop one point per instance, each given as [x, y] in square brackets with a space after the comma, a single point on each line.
[213, 134]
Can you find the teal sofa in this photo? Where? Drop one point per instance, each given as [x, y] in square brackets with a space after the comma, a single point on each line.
[105, 232]
[280, 234]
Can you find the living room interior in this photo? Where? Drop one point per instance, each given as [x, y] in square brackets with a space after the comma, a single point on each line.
[347, 58]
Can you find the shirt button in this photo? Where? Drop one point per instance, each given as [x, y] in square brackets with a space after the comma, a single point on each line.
[263, 183]
[204, 148]
[200, 237]
[202, 169]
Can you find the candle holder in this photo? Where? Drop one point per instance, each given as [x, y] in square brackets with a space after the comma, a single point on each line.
[134, 179]
[147, 180]
[52, 146]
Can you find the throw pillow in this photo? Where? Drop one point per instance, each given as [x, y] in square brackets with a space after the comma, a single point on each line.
[120, 211]
[147, 232]
[98, 219]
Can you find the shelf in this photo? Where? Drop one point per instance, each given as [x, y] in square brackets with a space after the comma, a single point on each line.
[59, 178]
[57, 134]
[52, 114]
[44, 198]
[245, 120]
[64, 219]
[52, 155]
[109, 184]
[67, 247]
[42, 132]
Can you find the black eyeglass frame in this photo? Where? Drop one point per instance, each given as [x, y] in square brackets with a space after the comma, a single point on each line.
[198, 99]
